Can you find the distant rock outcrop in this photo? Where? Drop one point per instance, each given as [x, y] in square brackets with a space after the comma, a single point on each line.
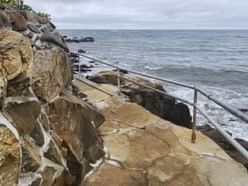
[78, 40]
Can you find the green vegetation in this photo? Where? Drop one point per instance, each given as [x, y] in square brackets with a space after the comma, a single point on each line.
[20, 5]
[11, 2]
[44, 15]
[17, 3]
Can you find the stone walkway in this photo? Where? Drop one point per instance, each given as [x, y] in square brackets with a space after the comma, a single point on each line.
[142, 149]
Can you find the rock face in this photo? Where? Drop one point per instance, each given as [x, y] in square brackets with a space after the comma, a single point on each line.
[51, 73]
[17, 21]
[9, 157]
[55, 139]
[164, 106]
[16, 53]
[142, 149]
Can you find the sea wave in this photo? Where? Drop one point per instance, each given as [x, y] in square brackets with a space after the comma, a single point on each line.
[147, 67]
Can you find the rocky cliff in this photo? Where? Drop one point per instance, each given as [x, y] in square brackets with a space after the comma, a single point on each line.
[143, 149]
[48, 136]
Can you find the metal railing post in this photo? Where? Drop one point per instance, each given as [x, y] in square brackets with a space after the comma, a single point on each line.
[197, 91]
[119, 81]
[193, 136]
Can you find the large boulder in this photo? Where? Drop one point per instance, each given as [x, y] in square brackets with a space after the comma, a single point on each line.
[17, 21]
[51, 73]
[16, 53]
[24, 115]
[76, 125]
[180, 114]
[16, 60]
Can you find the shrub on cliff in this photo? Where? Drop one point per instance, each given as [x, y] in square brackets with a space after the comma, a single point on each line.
[16, 3]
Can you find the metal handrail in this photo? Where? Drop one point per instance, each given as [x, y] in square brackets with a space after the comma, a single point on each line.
[196, 90]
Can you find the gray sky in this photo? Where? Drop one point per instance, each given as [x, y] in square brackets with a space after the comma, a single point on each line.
[145, 14]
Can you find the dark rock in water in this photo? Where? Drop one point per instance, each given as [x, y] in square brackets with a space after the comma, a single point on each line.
[123, 71]
[87, 39]
[55, 39]
[17, 21]
[83, 70]
[243, 110]
[224, 144]
[73, 60]
[79, 40]
[91, 61]
[73, 55]
[34, 28]
[81, 51]
[86, 66]
[180, 114]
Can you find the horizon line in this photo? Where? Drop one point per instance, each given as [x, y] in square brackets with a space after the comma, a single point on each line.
[178, 29]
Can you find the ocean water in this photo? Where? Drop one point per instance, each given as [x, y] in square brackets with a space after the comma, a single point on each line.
[216, 61]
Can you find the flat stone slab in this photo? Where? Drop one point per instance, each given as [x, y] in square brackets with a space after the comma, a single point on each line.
[142, 149]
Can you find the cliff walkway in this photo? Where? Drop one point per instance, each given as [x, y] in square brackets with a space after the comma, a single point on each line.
[143, 149]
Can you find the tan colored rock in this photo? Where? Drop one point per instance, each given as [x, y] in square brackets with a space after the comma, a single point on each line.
[3, 82]
[120, 177]
[30, 16]
[16, 53]
[51, 73]
[9, 157]
[31, 157]
[73, 122]
[53, 153]
[109, 77]
[164, 106]
[142, 149]
[24, 115]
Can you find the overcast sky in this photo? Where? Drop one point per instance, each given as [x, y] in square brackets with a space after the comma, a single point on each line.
[145, 14]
